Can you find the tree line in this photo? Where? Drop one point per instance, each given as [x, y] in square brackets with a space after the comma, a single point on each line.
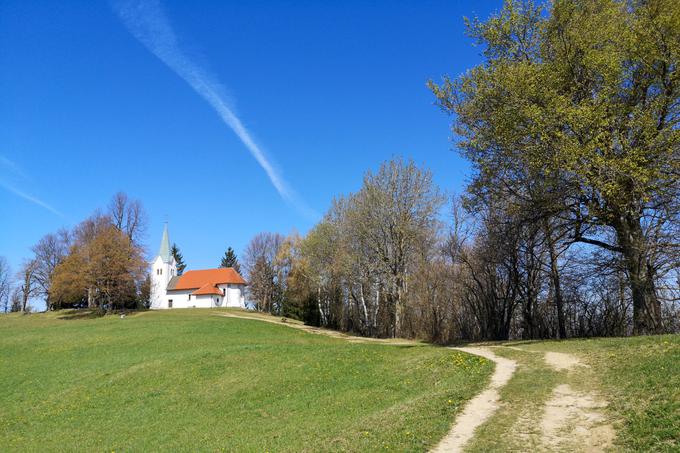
[569, 226]
[386, 262]
[100, 264]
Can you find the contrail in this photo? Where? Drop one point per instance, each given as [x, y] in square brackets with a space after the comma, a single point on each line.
[30, 198]
[13, 167]
[147, 22]
[16, 173]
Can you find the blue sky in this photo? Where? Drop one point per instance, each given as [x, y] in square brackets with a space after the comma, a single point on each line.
[99, 97]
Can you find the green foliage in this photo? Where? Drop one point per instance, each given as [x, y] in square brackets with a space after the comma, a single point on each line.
[210, 383]
[179, 259]
[588, 90]
[230, 260]
[576, 111]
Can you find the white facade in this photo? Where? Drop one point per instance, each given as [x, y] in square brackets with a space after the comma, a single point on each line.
[161, 273]
[233, 297]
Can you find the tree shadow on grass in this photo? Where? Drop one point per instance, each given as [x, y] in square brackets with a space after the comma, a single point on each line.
[90, 313]
[86, 313]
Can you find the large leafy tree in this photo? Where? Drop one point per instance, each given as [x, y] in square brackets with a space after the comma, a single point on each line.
[576, 111]
[103, 267]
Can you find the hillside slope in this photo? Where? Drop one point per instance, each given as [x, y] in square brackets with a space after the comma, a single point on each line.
[190, 380]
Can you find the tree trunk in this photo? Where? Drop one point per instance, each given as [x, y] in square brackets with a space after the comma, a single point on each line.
[641, 275]
[324, 323]
[398, 308]
[555, 276]
[367, 322]
[529, 331]
[90, 298]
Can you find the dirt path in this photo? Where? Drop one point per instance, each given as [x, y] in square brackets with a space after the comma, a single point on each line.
[572, 419]
[481, 407]
[560, 361]
[317, 330]
[569, 417]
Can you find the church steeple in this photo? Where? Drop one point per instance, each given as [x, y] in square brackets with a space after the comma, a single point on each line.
[164, 251]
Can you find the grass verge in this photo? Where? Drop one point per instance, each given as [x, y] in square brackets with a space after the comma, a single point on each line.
[189, 380]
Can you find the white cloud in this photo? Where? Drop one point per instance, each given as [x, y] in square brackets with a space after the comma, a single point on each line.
[147, 22]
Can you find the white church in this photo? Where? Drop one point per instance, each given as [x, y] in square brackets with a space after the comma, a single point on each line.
[207, 288]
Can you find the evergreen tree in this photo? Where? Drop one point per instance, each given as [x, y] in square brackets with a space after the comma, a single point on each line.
[181, 265]
[229, 260]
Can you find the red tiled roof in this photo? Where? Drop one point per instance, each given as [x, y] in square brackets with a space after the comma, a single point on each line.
[212, 277]
[208, 288]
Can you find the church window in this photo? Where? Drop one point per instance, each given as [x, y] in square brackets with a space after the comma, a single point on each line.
[169, 303]
[161, 271]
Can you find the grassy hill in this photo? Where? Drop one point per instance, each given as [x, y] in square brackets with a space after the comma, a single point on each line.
[193, 380]
[196, 380]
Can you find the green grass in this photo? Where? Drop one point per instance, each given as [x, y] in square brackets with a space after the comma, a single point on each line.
[190, 380]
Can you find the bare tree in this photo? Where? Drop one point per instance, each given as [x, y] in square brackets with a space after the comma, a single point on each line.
[128, 216]
[379, 265]
[5, 284]
[29, 287]
[15, 300]
[259, 262]
[395, 213]
[48, 253]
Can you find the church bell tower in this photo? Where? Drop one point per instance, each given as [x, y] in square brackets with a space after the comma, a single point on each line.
[163, 268]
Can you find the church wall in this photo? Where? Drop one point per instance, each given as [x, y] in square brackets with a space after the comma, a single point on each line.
[234, 295]
[207, 301]
[161, 273]
[159, 282]
[181, 299]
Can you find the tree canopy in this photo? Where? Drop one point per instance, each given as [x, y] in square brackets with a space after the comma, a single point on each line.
[575, 113]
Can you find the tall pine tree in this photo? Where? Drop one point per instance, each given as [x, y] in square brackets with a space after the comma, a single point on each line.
[229, 260]
[181, 265]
